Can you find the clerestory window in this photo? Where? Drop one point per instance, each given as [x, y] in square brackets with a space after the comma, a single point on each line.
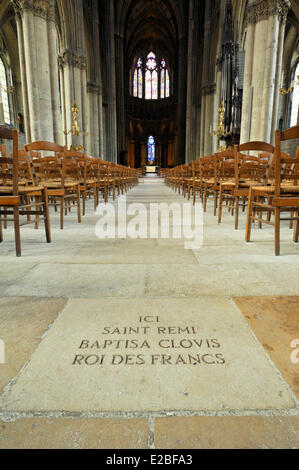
[151, 79]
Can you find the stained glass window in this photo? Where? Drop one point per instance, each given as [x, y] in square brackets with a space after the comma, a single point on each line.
[148, 85]
[135, 84]
[155, 85]
[295, 100]
[151, 63]
[163, 83]
[151, 80]
[167, 84]
[4, 94]
[151, 150]
[140, 84]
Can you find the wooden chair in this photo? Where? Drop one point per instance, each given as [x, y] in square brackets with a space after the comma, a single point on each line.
[249, 170]
[281, 196]
[15, 195]
[208, 179]
[196, 186]
[225, 182]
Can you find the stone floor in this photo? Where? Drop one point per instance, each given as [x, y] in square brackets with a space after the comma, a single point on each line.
[136, 344]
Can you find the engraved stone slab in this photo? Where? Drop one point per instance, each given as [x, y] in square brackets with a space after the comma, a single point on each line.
[148, 355]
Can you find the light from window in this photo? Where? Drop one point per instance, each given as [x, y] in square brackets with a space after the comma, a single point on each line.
[295, 100]
[165, 82]
[148, 85]
[162, 83]
[135, 85]
[151, 81]
[151, 150]
[140, 83]
[4, 94]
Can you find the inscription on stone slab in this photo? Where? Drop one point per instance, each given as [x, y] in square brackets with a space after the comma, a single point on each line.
[136, 355]
[137, 344]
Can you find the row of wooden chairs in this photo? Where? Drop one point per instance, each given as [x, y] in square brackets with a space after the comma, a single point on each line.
[254, 176]
[45, 174]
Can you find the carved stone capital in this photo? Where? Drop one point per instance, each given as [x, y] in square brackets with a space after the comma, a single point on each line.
[43, 8]
[94, 89]
[70, 58]
[264, 9]
[208, 89]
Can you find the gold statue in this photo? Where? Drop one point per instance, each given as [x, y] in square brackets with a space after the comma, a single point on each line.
[221, 132]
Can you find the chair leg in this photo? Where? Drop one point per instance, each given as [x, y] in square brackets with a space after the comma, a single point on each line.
[17, 231]
[296, 229]
[249, 219]
[37, 216]
[46, 214]
[28, 201]
[84, 202]
[95, 198]
[205, 197]
[215, 203]
[237, 213]
[220, 207]
[61, 212]
[277, 231]
[79, 205]
[1, 231]
[261, 214]
[291, 221]
[269, 212]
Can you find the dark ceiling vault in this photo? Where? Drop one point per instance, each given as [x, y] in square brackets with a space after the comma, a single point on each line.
[152, 23]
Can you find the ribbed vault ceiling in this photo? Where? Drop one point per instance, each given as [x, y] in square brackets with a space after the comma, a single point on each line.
[151, 23]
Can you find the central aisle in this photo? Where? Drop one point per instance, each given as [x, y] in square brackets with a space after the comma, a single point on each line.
[144, 328]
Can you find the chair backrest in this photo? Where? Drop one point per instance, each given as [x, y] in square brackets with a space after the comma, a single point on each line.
[26, 171]
[3, 150]
[9, 165]
[44, 146]
[207, 167]
[286, 169]
[251, 167]
[225, 167]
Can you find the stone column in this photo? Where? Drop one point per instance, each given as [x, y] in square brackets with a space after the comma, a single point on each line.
[111, 117]
[101, 124]
[131, 154]
[190, 87]
[35, 49]
[120, 91]
[278, 73]
[202, 125]
[53, 70]
[43, 78]
[249, 49]
[94, 120]
[31, 72]
[170, 153]
[143, 154]
[73, 73]
[209, 118]
[179, 156]
[1, 109]
[217, 100]
[23, 77]
[261, 66]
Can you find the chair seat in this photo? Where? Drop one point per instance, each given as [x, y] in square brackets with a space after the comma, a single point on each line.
[211, 181]
[247, 184]
[21, 189]
[230, 184]
[271, 189]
